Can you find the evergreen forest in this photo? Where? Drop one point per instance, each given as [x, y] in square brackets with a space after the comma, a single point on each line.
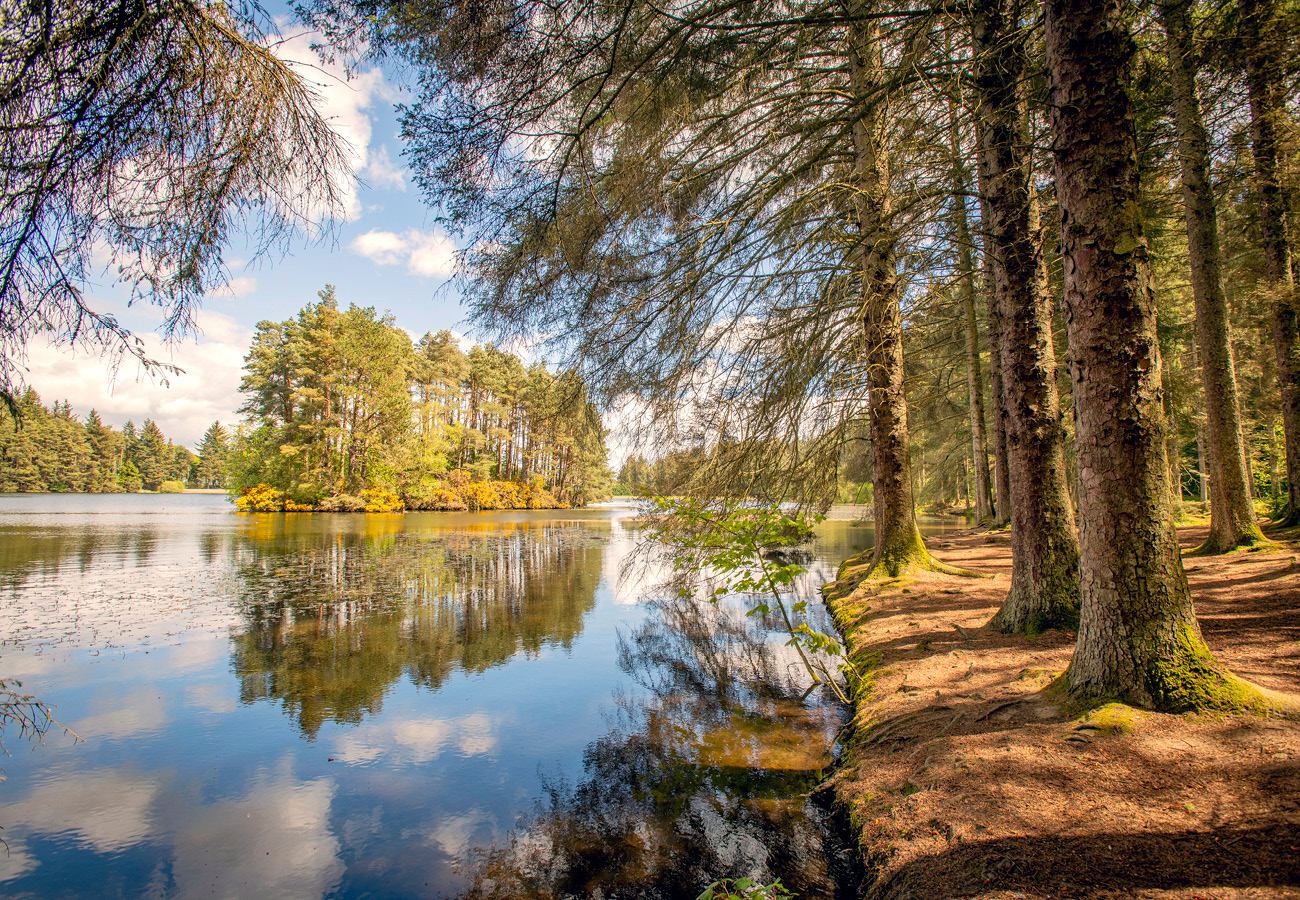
[49, 449]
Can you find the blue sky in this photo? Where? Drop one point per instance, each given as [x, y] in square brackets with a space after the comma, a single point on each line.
[387, 254]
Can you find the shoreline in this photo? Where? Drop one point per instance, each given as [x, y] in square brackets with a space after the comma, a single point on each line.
[963, 777]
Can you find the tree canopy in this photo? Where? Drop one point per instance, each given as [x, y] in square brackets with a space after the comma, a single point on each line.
[137, 139]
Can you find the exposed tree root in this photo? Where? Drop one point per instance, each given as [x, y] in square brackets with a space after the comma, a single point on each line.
[1213, 545]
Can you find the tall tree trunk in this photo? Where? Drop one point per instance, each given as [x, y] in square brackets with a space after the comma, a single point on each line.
[1272, 459]
[1202, 473]
[1260, 35]
[1232, 515]
[1001, 473]
[898, 540]
[1138, 638]
[1173, 455]
[1044, 549]
[966, 286]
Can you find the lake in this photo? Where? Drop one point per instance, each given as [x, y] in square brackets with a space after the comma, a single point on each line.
[373, 706]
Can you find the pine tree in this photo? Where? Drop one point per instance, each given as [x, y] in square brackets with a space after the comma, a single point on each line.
[151, 456]
[213, 452]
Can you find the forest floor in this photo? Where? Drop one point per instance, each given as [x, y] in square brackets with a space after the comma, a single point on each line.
[965, 779]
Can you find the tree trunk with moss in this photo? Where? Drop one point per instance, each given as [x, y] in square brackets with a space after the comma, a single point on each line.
[1262, 39]
[998, 414]
[898, 540]
[1232, 514]
[1138, 637]
[1044, 550]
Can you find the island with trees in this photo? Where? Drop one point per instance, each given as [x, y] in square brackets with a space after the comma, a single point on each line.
[343, 413]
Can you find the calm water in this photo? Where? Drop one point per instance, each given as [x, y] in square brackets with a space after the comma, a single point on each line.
[376, 706]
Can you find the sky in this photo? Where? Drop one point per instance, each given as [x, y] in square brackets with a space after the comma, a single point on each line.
[388, 254]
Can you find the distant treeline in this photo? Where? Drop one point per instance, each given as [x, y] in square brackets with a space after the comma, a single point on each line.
[51, 450]
[343, 412]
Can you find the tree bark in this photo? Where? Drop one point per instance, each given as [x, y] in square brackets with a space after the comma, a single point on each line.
[961, 237]
[1138, 637]
[898, 542]
[1202, 474]
[1001, 472]
[1044, 547]
[1232, 514]
[1260, 32]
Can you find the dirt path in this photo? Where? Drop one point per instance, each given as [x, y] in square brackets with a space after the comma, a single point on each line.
[965, 781]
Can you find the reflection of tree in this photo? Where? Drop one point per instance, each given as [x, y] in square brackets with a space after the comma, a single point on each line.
[335, 618]
[699, 780]
[29, 551]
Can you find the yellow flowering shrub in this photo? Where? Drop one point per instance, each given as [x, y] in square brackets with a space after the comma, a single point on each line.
[260, 498]
[380, 500]
[480, 495]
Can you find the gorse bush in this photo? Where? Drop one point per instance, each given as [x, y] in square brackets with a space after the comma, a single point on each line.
[457, 494]
[260, 498]
[380, 500]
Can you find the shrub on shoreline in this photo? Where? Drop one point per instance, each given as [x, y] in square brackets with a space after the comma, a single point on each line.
[456, 494]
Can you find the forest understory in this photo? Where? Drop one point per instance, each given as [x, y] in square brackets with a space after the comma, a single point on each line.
[970, 776]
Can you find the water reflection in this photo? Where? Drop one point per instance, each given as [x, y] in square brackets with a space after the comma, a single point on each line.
[339, 706]
[702, 776]
[334, 619]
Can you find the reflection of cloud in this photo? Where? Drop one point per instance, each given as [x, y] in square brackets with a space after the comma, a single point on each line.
[213, 698]
[19, 665]
[107, 811]
[17, 861]
[198, 655]
[417, 740]
[455, 834]
[423, 252]
[273, 842]
[139, 712]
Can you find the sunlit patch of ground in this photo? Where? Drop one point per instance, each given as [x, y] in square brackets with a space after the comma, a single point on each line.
[967, 779]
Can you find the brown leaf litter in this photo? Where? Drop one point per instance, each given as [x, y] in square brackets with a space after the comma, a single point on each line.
[966, 780]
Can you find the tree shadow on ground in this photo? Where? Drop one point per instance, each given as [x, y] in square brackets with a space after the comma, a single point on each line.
[1103, 864]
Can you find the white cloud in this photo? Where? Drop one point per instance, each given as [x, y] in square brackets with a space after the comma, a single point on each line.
[206, 391]
[628, 436]
[382, 172]
[344, 100]
[427, 253]
[241, 286]
[382, 247]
